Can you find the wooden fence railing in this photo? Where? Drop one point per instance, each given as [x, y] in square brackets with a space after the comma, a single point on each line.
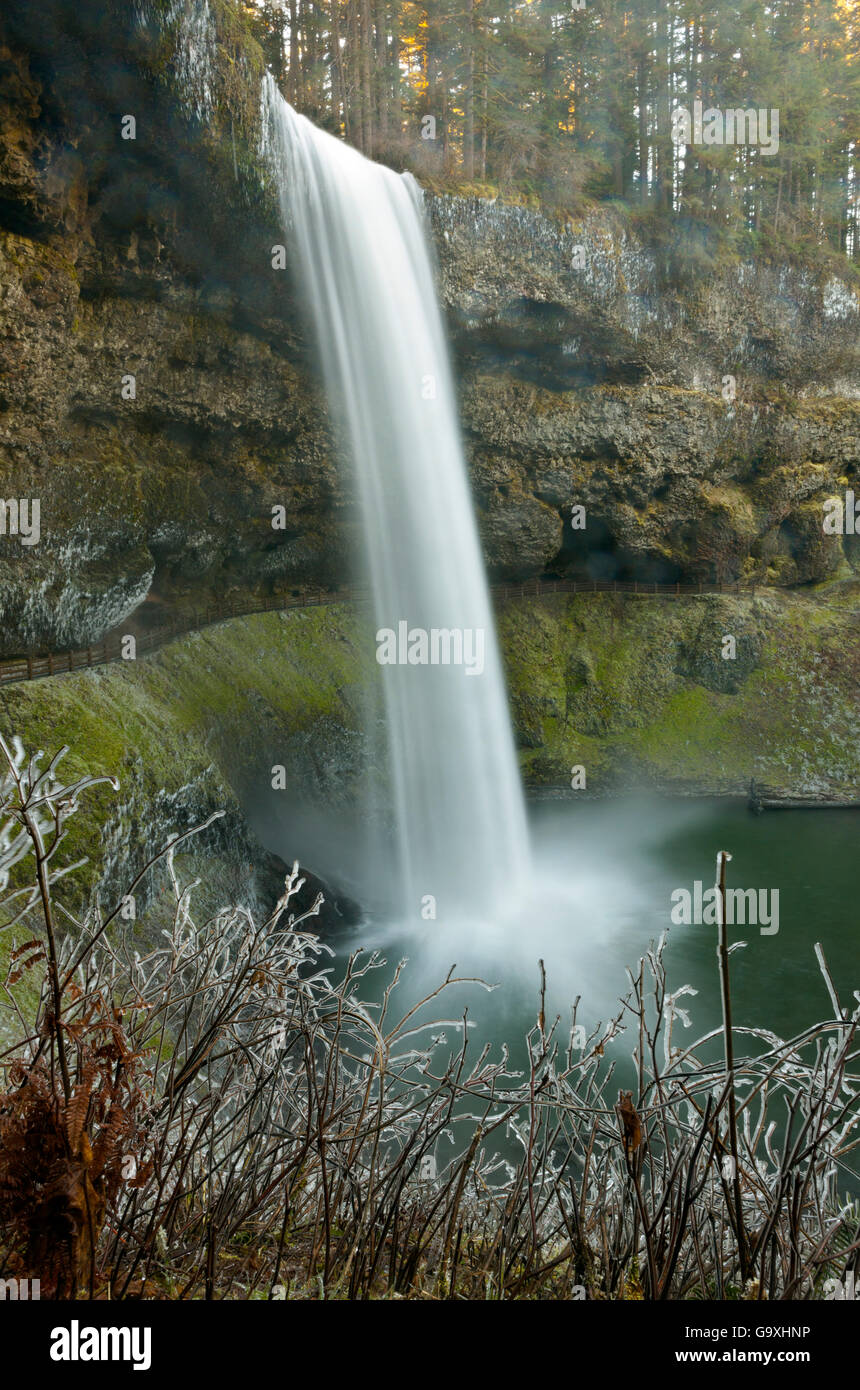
[110, 649]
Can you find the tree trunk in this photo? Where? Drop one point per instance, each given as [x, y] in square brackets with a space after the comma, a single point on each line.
[293, 73]
[484, 116]
[353, 68]
[380, 72]
[396, 122]
[366, 79]
[642, 93]
[469, 95]
[338, 80]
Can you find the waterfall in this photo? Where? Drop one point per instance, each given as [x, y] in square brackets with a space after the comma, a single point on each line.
[191, 25]
[358, 234]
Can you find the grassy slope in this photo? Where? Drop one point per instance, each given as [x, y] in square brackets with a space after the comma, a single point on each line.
[188, 715]
[598, 682]
[601, 680]
[594, 680]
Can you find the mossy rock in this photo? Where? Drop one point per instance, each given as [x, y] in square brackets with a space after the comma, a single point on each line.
[725, 648]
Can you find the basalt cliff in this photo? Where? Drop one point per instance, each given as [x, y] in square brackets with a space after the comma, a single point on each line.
[159, 398]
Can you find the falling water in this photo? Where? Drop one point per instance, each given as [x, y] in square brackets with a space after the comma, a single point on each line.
[357, 231]
[191, 25]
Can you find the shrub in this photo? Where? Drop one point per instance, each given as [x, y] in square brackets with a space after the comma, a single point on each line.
[226, 1116]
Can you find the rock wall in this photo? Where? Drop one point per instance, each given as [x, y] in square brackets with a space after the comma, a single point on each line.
[591, 361]
[596, 371]
[145, 259]
[637, 692]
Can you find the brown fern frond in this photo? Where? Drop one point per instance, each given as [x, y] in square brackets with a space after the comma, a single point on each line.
[76, 1111]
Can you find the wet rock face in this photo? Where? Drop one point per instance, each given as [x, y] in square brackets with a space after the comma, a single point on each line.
[587, 302]
[156, 397]
[724, 648]
[694, 695]
[159, 399]
[701, 418]
[157, 436]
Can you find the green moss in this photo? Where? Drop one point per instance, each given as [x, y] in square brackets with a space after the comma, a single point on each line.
[189, 712]
[24, 994]
[612, 670]
[593, 680]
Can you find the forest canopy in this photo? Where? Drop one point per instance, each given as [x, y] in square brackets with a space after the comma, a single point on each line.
[579, 102]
